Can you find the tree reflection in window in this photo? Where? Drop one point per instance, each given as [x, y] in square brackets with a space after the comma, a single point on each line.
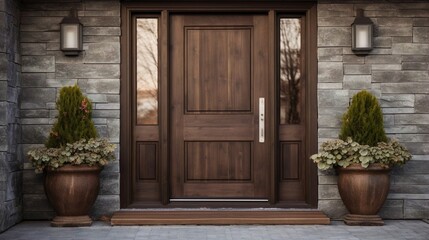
[147, 71]
[290, 70]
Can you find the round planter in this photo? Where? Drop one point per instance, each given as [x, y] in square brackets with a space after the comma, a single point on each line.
[363, 191]
[72, 190]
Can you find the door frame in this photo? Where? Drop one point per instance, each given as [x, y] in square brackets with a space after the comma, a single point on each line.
[163, 8]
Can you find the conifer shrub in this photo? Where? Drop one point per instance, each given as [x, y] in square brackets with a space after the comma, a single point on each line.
[74, 121]
[363, 121]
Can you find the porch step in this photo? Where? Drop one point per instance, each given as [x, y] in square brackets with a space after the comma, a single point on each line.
[218, 217]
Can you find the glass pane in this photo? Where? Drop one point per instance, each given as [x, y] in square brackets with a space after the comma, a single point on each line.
[290, 70]
[147, 71]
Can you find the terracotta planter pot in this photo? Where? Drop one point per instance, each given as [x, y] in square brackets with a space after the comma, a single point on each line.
[72, 190]
[363, 191]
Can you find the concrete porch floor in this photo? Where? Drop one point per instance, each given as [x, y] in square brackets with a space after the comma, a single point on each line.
[394, 229]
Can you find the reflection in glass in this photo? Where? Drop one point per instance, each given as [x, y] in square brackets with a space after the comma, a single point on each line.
[147, 71]
[290, 70]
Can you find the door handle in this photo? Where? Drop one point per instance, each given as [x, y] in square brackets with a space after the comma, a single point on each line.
[261, 117]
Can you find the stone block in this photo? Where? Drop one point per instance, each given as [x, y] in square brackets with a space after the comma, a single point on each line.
[335, 209]
[388, 120]
[100, 39]
[67, 70]
[383, 59]
[101, 21]
[422, 66]
[410, 179]
[49, 83]
[416, 208]
[412, 87]
[3, 91]
[335, 21]
[35, 134]
[381, 13]
[40, 24]
[36, 203]
[422, 103]
[342, 36]
[330, 54]
[38, 37]
[113, 128]
[3, 113]
[100, 85]
[32, 183]
[333, 98]
[417, 148]
[357, 82]
[410, 48]
[360, 69]
[325, 180]
[103, 13]
[421, 22]
[109, 183]
[105, 205]
[105, 114]
[382, 42]
[405, 119]
[386, 67]
[33, 49]
[109, 31]
[34, 113]
[97, 98]
[396, 21]
[112, 98]
[421, 34]
[13, 186]
[408, 39]
[37, 97]
[329, 86]
[329, 121]
[108, 52]
[335, 10]
[409, 189]
[397, 100]
[400, 76]
[107, 106]
[102, 131]
[353, 59]
[392, 209]
[38, 64]
[102, 5]
[4, 63]
[415, 58]
[330, 133]
[3, 139]
[330, 72]
[397, 110]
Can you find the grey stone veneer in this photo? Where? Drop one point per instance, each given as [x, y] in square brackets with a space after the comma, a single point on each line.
[10, 163]
[45, 70]
[397, 72]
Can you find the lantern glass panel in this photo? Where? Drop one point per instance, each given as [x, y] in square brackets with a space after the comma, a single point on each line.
[70, 36]
[363, 36]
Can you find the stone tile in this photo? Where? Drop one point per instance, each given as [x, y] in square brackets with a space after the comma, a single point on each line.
[36, 203]
[4, 63]
[410, 48]
[33, 49]
[37, 97]
[383, 59]
[102, 5]
[100, 21]
[343, 36]
[421, 22]
[382, 42]
[395, 21]
[99, 39]
[353, 59]
[335, 21]
[422, 103]
[412, 118]
[335, 10]
[37, 37]
[359, 69]
[400, 76]
[416, 209]
[421, 34]
[386, 67]
[38, 64]
[333, 98]
[67, 70]
[397, 100]
[96, 86]
[109, 183]
[405, 87]
[392, 209]
[105, 205]
[330, 72]
[330, 86]
[335, 209]
[330, 54]
[34, 113]
[415, 66]
[113, 128]
[102, 53]
[110, 31]
[357, 82]
[35, 133]
[415, 58]
[407, 39]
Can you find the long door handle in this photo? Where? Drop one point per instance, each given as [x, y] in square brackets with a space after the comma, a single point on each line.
[261, 120]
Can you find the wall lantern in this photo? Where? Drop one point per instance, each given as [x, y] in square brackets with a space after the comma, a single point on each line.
[362, 31]
[71, 35]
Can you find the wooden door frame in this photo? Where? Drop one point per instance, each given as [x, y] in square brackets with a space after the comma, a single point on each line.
[163, 8]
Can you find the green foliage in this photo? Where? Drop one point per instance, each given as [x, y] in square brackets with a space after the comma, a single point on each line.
[74, 118]
[343, 153]
[363, 121]
[89, 152]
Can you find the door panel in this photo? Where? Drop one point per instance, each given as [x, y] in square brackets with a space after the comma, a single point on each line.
[216, 85]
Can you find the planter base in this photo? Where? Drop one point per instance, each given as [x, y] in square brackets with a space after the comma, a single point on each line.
[71, 221]
[363, 220]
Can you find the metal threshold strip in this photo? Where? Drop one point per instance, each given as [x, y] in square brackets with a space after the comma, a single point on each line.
[216, 200]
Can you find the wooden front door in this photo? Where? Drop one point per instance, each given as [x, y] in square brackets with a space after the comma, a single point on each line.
[219, 68]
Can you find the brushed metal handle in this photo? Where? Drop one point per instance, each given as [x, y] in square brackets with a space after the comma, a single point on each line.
[261, 120]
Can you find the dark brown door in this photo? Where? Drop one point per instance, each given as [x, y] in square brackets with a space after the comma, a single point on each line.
[219, 72]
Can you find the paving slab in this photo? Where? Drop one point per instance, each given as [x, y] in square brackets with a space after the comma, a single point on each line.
[393, 229]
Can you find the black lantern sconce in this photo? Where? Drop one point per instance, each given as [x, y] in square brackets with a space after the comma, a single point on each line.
[71, 35]
[362, 34]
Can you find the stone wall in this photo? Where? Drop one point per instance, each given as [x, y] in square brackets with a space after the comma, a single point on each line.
[396, 71]
[10, 164]
[45, 70]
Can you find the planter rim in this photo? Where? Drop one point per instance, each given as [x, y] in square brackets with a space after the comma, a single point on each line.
[75, 168]
[358, 167]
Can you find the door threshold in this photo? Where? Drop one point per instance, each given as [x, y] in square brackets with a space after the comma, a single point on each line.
[216, 200]
[219, 217]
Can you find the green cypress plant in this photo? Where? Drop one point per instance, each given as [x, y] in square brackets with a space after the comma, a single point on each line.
[363, 121]
[74, 118]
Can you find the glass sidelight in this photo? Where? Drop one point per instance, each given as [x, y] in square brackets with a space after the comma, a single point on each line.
[290, 71]
[147, 71]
